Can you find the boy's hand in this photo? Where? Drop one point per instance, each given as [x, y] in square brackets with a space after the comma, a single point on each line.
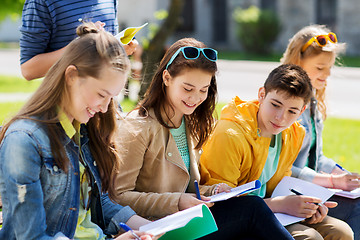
[321, 213]
[188, 200]
[296, 205]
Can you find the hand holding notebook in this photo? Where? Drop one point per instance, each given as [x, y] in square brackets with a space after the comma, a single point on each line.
[126, 35]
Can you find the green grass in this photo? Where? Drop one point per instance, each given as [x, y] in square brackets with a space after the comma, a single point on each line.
[340, 136]
[17, 84]
[341, 142]
[9, 45]
[9, 109]
[128, 105]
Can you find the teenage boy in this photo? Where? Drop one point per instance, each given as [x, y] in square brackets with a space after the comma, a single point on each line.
[260, 140]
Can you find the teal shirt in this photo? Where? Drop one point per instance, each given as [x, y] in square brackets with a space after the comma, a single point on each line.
[313, 137]
[180, 138]
[270, 167]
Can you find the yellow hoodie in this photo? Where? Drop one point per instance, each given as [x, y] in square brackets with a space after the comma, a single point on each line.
[236, 154]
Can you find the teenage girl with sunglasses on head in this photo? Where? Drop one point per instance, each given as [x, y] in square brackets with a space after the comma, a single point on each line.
[315, 48]
[160, 147]
[58, 152]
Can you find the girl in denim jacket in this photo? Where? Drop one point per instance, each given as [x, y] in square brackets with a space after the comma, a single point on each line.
[315, 49]
[58, 152]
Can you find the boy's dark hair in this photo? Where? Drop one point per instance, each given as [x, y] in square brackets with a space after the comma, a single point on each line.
[292, 80]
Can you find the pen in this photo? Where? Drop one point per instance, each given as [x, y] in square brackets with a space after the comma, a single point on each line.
[343, 169]
[299, 193]
[197, 189]
[127, 228]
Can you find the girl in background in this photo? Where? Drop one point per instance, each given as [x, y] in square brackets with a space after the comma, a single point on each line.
[58, 152]
[161, 143]
[315, 48]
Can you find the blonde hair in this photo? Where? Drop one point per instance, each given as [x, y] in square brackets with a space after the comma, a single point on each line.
[92, 51]
[294, 55]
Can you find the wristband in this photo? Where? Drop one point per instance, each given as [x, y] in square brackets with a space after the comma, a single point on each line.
[332, 181]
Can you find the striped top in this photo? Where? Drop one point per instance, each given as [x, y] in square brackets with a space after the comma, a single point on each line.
[48, 25]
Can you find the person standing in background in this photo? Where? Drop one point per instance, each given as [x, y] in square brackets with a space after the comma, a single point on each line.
[48, 26]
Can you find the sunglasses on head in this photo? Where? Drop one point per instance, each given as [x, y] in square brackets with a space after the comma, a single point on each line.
[194, 53]
[321, 40]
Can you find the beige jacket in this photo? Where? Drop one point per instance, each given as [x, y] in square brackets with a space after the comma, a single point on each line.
[152, 174]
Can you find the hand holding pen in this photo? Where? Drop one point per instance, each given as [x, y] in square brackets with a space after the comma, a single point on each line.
[188, 200]
[343, 169]
[130, 234]
[321, 211]
[341, 178]
[300, 194]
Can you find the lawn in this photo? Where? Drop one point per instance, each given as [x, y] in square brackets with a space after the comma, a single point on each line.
[15, 84]
[341, 136]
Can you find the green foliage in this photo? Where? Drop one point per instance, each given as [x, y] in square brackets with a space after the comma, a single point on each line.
[11, 8]
[257, 29]
[153, 27]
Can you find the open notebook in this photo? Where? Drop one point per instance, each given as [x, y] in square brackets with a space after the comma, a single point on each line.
[304, 187]
[126, 35]
[243, 189]
[191, 223]
[348, 194]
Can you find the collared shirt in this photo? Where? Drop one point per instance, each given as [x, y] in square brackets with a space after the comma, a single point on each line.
[50, 196]
[85, 228]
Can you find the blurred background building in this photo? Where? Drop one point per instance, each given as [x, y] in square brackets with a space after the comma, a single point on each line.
[212, 22]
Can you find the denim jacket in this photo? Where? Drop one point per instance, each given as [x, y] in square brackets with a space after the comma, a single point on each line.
[321, 163]
[41, 201]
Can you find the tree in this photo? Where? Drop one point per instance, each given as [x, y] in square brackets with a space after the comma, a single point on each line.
[154, 52]
[257, 29]
[11, 8]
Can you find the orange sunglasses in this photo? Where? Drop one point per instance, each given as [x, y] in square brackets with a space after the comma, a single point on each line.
[321, 40]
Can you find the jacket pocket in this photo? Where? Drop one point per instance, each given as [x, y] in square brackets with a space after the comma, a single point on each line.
[53, 179]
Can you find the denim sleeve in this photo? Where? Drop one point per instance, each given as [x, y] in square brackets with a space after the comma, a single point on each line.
[325, 164]
[114, 214]
[35, 29]
[22, 194]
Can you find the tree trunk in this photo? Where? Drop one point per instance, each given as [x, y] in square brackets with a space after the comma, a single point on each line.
[153, 54]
